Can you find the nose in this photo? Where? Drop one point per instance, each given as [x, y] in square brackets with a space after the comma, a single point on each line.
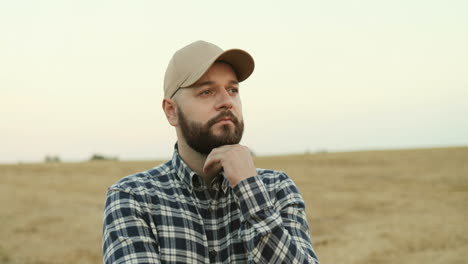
[224, 100]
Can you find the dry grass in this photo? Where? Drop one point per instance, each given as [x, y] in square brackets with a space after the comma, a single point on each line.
[408, 206]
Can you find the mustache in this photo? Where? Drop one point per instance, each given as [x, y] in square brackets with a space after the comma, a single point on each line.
[223, 115]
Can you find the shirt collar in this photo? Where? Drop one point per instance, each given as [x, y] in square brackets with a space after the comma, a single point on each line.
[225, 183]
[187, 175]
[183, 172]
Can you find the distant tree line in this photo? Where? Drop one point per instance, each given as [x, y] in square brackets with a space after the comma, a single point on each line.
[94, 157]
[52, 159]
[99, 157]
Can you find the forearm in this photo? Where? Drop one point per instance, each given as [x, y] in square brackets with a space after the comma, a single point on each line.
[272, 234]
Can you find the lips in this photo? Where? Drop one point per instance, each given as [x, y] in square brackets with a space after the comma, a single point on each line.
[224, 121]
[225, 117]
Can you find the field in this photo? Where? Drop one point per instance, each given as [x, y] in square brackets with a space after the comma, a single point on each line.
[399, 206]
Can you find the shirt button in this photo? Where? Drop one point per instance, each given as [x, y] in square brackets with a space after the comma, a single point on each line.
[213, 253]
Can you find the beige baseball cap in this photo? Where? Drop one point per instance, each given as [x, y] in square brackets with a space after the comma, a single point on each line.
[189, 64]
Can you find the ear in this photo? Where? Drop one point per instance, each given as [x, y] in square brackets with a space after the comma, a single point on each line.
[170, 110]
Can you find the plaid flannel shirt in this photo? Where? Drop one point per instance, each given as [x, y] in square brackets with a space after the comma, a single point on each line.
[168, 215]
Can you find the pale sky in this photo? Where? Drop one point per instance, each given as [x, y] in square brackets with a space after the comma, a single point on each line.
[84, 77]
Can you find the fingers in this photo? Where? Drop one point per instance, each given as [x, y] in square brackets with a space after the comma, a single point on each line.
[212, 165]
[213, 162]
[236, 160]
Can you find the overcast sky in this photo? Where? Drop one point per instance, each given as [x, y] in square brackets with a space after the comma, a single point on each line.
[84, 77]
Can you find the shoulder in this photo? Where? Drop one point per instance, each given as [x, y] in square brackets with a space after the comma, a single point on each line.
[141, 182]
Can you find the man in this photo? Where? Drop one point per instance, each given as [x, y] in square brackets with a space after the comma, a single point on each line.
[208, 204]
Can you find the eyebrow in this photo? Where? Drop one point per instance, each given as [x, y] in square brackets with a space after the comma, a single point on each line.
[208, 83]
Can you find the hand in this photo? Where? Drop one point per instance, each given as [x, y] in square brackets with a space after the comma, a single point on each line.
[236, 161]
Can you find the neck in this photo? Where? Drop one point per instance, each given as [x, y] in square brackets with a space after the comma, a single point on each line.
[194, 160]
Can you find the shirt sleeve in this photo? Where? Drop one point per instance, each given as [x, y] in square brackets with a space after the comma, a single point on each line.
[274, 232]
[127, 237]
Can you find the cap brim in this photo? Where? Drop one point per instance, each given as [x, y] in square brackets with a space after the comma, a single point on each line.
[241, 62]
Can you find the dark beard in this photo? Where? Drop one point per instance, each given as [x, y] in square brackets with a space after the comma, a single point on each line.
[200, 138]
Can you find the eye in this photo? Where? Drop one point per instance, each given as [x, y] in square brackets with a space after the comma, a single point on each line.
[234, 90]
[205, 92]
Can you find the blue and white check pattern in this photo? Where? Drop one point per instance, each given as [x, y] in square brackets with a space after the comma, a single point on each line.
[168, 215]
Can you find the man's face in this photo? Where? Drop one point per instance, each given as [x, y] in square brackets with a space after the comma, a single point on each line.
[210, 112]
